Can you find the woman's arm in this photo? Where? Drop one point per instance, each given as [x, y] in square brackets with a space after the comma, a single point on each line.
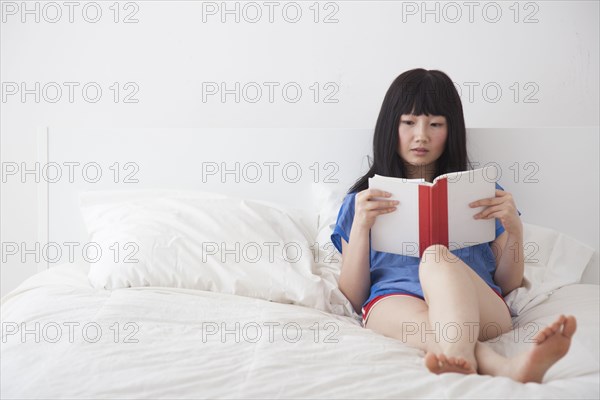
[510, 261]
[355, 277]
[508, 247]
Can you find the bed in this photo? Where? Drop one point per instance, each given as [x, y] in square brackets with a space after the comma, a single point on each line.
[190, 315]
[329, 357]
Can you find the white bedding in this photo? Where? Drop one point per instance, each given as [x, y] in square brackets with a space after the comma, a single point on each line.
[172, 359]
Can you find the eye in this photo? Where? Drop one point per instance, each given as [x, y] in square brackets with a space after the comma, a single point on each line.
[407, 122]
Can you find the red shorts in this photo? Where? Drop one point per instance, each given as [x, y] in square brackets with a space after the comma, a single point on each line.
[366, 310]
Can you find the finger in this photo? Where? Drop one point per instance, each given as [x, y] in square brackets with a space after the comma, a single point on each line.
[377, 193]
[380, 211]
[378, 204]
[497, 214]
[372, 195]
[489, 200]
[486, 202]
[367, 194]
[488, 211]
[507, 208]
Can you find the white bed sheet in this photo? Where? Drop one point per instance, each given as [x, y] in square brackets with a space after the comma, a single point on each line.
[173, 360]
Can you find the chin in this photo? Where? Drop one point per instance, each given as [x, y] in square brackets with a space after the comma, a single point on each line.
[421, 162]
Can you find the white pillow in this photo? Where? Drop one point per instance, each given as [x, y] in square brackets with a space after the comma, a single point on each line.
[206, 241]
[328, 199]
[552, 259]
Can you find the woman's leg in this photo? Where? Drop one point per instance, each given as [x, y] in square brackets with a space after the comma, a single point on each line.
[460, 301]
[551, 344]
[404, 318]
[410, 319]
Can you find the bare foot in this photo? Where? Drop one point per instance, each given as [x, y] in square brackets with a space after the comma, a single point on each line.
[552, 343]
[439, 364]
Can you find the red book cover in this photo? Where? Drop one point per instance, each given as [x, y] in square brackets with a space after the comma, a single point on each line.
[433, 213]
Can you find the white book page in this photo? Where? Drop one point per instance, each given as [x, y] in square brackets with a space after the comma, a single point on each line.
[464, 188]
[397, 232]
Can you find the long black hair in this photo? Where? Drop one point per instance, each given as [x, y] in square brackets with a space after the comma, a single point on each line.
[417, 92]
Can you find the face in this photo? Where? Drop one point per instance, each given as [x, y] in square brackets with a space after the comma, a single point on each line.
[423, 132]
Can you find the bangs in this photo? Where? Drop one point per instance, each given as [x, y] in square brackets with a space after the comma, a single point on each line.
[429, 96]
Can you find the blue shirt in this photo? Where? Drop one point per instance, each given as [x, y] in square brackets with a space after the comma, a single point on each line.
[394, 273]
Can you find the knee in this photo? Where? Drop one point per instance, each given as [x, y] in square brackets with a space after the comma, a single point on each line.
[435, 249]
[434, 257]
[436, 254]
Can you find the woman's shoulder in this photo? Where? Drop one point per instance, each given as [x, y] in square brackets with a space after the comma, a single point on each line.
[346, 207]
[350, 196]
[349, 199]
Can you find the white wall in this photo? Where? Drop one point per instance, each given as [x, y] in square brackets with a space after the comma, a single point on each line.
[551, 62]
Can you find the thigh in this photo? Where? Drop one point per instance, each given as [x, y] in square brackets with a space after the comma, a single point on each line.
[400, 317]
[494, 316]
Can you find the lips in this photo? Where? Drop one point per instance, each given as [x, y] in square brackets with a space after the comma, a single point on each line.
[420, 150]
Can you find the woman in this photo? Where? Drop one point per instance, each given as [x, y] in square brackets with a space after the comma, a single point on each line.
[446, 303]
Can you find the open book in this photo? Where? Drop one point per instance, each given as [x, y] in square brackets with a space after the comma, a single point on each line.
[434, 213]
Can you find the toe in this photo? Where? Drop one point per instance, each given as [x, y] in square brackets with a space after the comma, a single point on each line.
[432, 362]
[541, 336]
[442, 358]
[570, 326]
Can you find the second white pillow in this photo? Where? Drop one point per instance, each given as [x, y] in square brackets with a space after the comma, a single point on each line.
[206, 242]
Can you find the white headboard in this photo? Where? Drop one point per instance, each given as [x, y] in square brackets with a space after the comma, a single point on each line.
[553, 173]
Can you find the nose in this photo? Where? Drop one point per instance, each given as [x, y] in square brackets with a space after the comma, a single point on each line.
[421, 132]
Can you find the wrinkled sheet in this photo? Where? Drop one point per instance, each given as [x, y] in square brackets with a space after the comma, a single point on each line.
[178, 343]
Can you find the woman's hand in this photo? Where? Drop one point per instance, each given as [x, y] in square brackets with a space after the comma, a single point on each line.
[502, 207]
[367, 207]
